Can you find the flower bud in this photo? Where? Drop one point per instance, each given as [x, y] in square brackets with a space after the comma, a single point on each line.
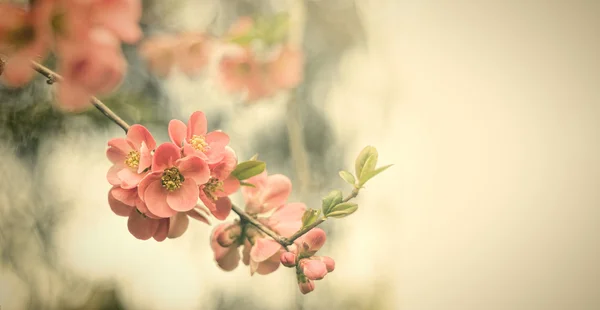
[329, 262]
[313, 269]
[229, 235]
[306, 287]
[288, 259]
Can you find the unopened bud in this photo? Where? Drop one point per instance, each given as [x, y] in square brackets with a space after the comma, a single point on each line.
[229, 235]
[329, 262]
[306, 287]
[288, 259]
[313, 269]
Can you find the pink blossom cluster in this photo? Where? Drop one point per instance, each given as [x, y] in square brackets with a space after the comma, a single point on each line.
[85, 35]
[158, 187]
[241, 69]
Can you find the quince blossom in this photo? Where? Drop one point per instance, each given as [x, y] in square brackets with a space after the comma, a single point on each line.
[131, 157]
[195, 140]
[266, 201]
[172, 185]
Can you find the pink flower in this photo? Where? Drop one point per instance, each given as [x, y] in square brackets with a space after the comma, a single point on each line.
[260, 252]
[306, 286]
[172, 184]
[214, 194]
[141, 226]
[269, 192]
[119, 16]
[228, 258]
[131, 157]
[196, 141]
[311, 267]
[91, 67]
[241, 27]
[240, 71]
[159, 53]
[286, 71]
[24, 36]
[192, 52]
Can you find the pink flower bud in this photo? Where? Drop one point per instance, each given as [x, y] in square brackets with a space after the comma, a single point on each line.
[306, 287]
[229, 235]
[329, 262]
[313, 269]
[288, 259]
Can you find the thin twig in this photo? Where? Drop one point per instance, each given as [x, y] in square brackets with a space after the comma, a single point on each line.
[55, 77]
[246, 217]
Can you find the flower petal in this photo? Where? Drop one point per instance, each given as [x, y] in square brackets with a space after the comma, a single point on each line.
[177, 132]
[223, 208]
[267, 267]
[145, 158]
[165, 157]
[129, 179]
[126, 196]
[197, 125]
[277, 190]
[162, 231]
[313, 269]
[314, 239]
[184, 198]
[198, 216]
[179, 224]
[263, 249]
[138, 134]
[141, 227]
[194, 168]
[155, 197]
[118, 207]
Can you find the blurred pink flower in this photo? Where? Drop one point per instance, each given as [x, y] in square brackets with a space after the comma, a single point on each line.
[92, 67]
[286, 70]
[241, 27]
[193, 52]
[240, 72]
[119, 16]
[172, 184]
[228, 258]
[131, 157]
[24, 36]
[196, 141]
[159, 53]
[268, 193]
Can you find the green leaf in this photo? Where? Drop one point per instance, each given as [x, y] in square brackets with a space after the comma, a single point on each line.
[333, 198]
[366, 177]
[248, 169]
[310, 216]
[343, 209]
[362, 158]
[369, 165]
[244, 39]
[278, 28]
[242, 183]
[348, 177]
[255, 157]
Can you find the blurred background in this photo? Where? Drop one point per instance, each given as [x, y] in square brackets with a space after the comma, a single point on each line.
[489, 111]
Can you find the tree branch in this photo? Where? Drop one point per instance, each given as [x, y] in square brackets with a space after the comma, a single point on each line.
[55, 77]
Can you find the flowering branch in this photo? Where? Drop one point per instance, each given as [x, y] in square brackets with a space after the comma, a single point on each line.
[246, 217]
[55, 77]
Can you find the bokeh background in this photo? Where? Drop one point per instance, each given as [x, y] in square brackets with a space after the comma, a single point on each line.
[489, 111]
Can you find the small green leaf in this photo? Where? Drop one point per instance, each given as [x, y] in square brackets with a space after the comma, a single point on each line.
[371, 174]
[348, 177]
[248, 169]
[362, 158]
[310, 216]
[333, 198]
[369, 165]
[244, 39]
[343, 209]
[242, 183]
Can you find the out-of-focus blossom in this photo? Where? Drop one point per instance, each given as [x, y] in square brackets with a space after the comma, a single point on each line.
[160, 54]
[96, 66]
[269, 192]
[286, 70]
[240, 71]
[131, 157]
[172, 184]
[193, 52]
[24, 36]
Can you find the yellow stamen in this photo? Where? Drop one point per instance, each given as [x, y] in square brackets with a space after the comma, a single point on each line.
[132, 160]
[211, 187]
[172, 179]
[199, 143]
